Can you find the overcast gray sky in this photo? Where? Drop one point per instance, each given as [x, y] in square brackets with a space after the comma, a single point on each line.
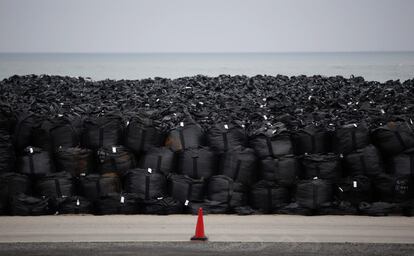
[206, 26]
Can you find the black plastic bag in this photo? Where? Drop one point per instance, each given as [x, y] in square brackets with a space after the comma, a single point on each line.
[272, 143]
[403, 164]
[142, 134]
[12, 184]
[23, 205]
[355, 189]
[160, 159]
[74, 205]
[224, 137]
[146, 184]
[197, 163]
[351, 137]
[394, 137]
[57, 132]
[183, 188]
[189, 135]
[76, 161]
[312, 140]
[209, 207]
[376, 208]
[116, 159]
[103, 131]
[322, 166]
[23, 131]
[388, 188]
[117, 204]
[267, 196]
[162, 206]
[35, 162]
[284, 170]
[7, 154]
[366, 161]
[314, 194]
[240, 164]
[55, 185]
[223, 189]
[93, 186]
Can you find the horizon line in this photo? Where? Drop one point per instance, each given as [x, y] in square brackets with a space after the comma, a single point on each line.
[218, 52]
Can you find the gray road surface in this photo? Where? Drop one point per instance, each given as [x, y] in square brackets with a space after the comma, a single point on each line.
[219, 228]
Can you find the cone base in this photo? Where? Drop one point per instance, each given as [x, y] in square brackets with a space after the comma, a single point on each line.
[194, 238]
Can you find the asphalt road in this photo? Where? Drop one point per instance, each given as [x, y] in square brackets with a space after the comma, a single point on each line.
[219, 228]
[228, 235]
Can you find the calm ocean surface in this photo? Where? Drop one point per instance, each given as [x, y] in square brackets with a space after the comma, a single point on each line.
[380, 66]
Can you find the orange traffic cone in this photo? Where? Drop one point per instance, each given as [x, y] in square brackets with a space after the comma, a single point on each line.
[199, 232]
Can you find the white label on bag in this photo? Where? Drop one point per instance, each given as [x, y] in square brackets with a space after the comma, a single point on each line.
[83, 174]
[265, 117]
[243, 126]
[160, 198]
[77, 202]
[122, 199]
[60, 115]
[315, 178]
[226, 127]
[310, 97]
[149, 170]
[355, 184]
[355, 125]
[264, 99]
[157, 100]
[113, 149]
[186, 202]
[127, 123]
[31, 150]
[182, 124]
[341, 156]
[201, 103]
[341, 189]
[411, 121]
[382, 111]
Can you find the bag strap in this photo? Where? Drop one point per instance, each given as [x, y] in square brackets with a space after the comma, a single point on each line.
[147, 186]
[276, 171]
[98, 187]
[230, 191]
[31, 164]
[189, 190]
[363, 164]
[225, 140]
[182, 140]
[315, 196]
[159, 161]
[269, 146]
[57, 186]
[101, 136]
[269, 199]
[237, 171]
[195, 167]
[353, 138]
[143, 136]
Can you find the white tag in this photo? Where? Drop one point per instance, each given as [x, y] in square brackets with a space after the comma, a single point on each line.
[264, 99]
[122, 199]
[341, 189]
[160, 198]
[31, 150]
[382, 111]
[310, 97]
[226, 127]
[355, 184]
[83, 174]
[265, 117]
[114, 150]
[315, 178]
[60, 115]
[77, 202]
[182, 124]
[188, 87]
[127, 123]
[243, 126]
[355, 125]
[201, 103]
[341, 156]
[157, 100]
[149, 170]
[411, 121]
[186, 202]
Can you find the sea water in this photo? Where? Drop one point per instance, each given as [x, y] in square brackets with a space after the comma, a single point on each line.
[379, 66]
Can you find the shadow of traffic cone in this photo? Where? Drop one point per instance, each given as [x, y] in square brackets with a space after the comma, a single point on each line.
[199, 232]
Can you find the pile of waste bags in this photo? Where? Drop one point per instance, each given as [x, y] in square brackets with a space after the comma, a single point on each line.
[229, 144]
